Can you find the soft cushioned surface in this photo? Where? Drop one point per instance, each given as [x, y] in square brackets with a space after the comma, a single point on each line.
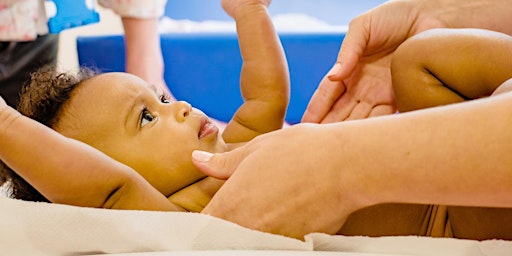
[29, 228]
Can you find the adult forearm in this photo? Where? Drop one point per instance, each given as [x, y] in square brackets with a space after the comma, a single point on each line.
[454, 155]
[143, 50]
[492, 15]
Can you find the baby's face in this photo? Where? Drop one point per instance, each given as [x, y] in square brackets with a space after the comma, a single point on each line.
[125, 118]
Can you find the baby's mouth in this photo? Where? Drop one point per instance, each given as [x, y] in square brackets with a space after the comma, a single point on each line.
[207, 128]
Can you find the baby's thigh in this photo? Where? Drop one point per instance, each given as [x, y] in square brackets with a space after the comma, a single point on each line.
[388, 220]
[481, 223]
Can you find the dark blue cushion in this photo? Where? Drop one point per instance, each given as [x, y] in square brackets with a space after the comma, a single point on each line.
[204, 68]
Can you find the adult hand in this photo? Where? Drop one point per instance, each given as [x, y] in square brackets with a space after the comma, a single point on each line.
[359, 84]
[231, 7]
[273, 189]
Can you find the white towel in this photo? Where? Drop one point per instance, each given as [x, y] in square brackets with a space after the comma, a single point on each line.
[29, 228]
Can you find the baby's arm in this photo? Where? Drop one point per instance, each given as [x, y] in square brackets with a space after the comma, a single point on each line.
[264, 78]
[444, 66]
[70, 172]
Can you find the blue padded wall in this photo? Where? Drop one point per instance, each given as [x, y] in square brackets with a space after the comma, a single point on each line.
[335, 12]
[204, 69]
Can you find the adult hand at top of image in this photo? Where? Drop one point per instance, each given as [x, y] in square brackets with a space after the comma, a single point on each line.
[359, 84]
[231, 7]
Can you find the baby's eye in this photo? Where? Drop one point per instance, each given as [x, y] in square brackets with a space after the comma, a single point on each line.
[146, 118]
[164, 98]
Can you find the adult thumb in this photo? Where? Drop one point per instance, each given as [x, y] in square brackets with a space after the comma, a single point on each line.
[352, 49]
[219, 165]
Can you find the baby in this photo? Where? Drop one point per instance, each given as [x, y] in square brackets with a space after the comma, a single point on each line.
[134, 124]
[142, 143]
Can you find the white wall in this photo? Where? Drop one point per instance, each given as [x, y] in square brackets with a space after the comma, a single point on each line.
[109, 23]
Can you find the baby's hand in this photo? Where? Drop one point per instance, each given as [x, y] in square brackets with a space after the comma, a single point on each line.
[232, 7]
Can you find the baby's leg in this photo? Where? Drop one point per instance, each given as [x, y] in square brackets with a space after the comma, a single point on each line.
[480, 223]
[388, 220]
[437, 69]
[445, 66]
[483, 223]
[441, 67]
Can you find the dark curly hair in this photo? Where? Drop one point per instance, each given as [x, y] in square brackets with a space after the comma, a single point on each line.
[42, 99]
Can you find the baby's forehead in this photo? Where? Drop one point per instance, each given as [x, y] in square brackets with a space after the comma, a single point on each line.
[102, 99]
[122, 80]
[120, 76]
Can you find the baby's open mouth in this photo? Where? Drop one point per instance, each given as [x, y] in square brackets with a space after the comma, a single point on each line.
[207, 128]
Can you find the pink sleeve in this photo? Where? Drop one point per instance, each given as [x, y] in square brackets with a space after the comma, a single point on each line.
[136, 8]
[19, 20]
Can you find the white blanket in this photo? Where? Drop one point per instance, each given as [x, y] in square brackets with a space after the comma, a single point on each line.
[29, 228]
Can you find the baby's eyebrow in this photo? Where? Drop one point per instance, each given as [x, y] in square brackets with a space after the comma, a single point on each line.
[152, 86]
[155, 89]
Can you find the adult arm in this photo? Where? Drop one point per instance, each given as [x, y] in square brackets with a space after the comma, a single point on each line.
[264, 78]
[70, 172]
[142, 39]
[143, 50]
[316, 175]
[359, 84]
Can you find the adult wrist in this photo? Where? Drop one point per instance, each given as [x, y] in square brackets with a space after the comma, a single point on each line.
[342, 154]
[484, 14]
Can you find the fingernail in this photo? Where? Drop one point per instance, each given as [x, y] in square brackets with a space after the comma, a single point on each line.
[201, 156]
[335, 69]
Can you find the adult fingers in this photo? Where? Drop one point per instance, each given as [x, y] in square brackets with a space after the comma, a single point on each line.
[352, 48]
[220, 165]
[381, 110]
[341, 109]
[325, 96]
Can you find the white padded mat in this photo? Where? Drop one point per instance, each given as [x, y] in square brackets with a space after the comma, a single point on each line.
[29, 228]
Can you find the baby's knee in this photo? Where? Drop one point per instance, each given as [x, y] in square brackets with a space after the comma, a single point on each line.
[414, 86]
[406, 67]
[405, 63]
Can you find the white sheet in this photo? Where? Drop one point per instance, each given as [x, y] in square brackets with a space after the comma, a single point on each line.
[29, 228]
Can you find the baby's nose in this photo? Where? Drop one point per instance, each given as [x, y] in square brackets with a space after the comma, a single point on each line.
[183, 110]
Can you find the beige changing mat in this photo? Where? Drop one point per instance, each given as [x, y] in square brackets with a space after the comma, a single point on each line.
[29, 228]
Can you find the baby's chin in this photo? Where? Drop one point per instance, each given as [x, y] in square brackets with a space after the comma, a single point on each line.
[220, 146]
[196, 196]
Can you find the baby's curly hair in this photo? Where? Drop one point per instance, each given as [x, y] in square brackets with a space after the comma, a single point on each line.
[42, 99]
